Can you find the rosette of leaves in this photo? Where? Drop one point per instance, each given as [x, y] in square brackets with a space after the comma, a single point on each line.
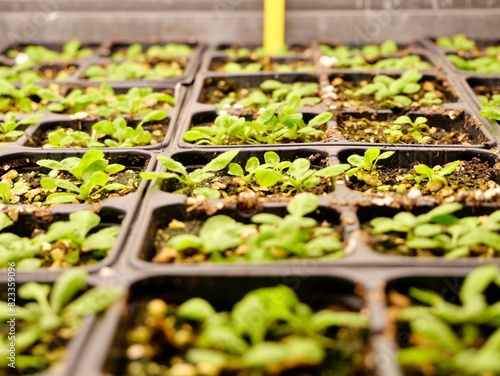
[9, 131]
[50, 317]
[273, 91]
[490, 107]
[28, 98]
[287, 336]
[364, 168]
[434, 177]
[155, 52]
[132, 70]
[482, 64]
[88, 177]
[358, 57]
[137, 101]
[439, 232]
[460, 338]
[393, 91]
[292, 176]
[77, 241]
[192, 182]
[406, 130]
[269, 128]
[71, 50]
[458, 43]
[271, 237]
[106, 133]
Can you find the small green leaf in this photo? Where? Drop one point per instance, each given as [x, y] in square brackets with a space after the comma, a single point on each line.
[93, 301]
[267, 178]
[236, 170]
[302, 204]
[221, 161]
[324, 319]
[320, 119]
[196, 309]
[477, 281]
[66, 287]
[185, 241]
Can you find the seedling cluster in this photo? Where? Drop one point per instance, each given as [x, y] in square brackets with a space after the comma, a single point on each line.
[271, 92]
[51, 316]
[288, 336]
[270, 237]
[453, 337]
[288, 177]
[65, 243]
[439, 232]
[287, 125]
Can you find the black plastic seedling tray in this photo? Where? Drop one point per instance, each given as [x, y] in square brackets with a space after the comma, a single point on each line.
[362, 279]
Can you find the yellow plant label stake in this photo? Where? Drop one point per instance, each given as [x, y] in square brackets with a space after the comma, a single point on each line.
[274, 25]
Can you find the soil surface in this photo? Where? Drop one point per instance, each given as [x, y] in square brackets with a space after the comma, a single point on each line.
[55, 72]
[365, 102]
[371, 129]
[487, 91]
[470, 177]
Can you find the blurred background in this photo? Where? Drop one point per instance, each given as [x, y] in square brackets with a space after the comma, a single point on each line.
[241, 20]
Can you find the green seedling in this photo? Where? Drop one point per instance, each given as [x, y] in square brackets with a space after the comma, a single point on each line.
[244, 53]
[490, 106]
[402, 63]
[131, 70]
[483, 64]
[285, 336]
[273, 237]
[429, 99]
[192, 182]
[273, 91]
[234, 67]
[90, 176]
[365, 167]
[9, 125]
[26, 99]
[71, 50]
[405, 130]
[269, 128]
[106, 103]
[358, 57]
[394, 91]
[48, 314]
[454, 338]
[435, 177]
[458, 43]
[66, 243]
[441, 232]
[293, 177]
[107, 133]
[155, 52]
